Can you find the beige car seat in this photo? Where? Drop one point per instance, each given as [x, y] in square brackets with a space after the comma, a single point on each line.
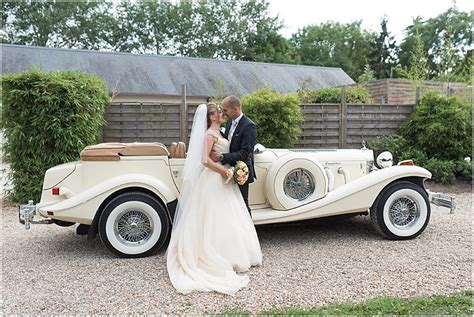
[113, 151]
[178, 150]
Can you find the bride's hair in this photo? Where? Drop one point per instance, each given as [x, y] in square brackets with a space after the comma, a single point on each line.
[211, 110]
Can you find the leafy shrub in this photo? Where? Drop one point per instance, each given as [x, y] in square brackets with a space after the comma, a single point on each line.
[277, 116]
[396, 144]
[354, 94]
[441, 127]
[463, 170]
[442, 170]
[437, 136]
[417, 155]
[48, 119]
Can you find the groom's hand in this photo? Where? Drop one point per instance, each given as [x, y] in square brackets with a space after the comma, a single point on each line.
[216, 155]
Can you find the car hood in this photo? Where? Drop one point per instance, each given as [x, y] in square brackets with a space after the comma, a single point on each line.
[325, 155]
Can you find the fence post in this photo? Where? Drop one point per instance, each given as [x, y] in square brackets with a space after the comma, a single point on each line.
[417, 95]
[183, 115]
[343, 119]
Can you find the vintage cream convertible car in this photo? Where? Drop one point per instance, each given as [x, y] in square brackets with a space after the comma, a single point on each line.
[127, 193]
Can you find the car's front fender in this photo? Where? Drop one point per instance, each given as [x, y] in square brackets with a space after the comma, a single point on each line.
[355, 196]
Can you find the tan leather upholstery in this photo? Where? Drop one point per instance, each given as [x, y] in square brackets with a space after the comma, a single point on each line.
[145, 149]
[173, 148]
[178, 150]
[181, 153]
[113, 151]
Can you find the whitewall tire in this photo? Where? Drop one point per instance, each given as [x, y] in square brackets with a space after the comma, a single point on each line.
[401, 211]
[134, 224]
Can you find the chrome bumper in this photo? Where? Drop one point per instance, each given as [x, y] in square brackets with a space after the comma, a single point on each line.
[442, 200]
[26, 214]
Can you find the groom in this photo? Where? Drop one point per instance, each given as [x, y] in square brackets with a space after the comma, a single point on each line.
[241, 133]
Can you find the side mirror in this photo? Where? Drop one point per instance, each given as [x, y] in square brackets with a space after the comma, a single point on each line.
[385, 159]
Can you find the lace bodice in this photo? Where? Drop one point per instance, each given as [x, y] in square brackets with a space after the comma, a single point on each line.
[222, 144]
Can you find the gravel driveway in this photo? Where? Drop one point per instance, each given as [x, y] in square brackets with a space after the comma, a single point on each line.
[51, 270]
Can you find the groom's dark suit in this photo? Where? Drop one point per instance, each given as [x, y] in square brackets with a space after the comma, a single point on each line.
[241, 149]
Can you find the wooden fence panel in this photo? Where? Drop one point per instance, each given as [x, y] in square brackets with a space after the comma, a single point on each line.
[320, 128]
[366, 122]
[140, 122]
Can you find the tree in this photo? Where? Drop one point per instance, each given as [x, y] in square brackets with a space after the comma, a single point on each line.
[144, 27]
[228, 29]
[56, 24]
[367, 76]
[383, 58]
[334, 44]
[447, 65]
[463, 70]
[451, 26]
[268, 47]
[417, 70]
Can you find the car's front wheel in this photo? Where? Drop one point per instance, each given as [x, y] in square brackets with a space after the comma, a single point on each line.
[134, 224]
[401, 211]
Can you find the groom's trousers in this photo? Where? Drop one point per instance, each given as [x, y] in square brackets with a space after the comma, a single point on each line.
[244, 190]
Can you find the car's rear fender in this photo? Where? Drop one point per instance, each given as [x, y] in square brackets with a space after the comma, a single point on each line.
[82, 207]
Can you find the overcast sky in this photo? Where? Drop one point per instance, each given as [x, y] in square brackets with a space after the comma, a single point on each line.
[299, 13]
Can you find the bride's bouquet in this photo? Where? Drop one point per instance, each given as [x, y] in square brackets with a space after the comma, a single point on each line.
[240, 173]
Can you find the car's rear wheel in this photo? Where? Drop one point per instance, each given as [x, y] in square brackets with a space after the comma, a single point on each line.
[134, 224]
[401, 211]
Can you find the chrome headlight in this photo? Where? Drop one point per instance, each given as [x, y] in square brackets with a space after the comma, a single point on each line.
[385, 159]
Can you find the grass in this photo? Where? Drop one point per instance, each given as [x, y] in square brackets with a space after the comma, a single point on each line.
[455, 304]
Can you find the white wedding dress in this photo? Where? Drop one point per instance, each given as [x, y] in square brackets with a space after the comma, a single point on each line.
[214, 238]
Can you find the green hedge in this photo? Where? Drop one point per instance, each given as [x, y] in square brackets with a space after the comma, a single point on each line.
[441, 127]
[437, 136]
[277, 116]
[48, 119]
[354, 95]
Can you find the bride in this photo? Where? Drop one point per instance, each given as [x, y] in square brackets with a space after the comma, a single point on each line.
[213, 236]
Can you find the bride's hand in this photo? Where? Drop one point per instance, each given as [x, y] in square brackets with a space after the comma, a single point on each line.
[228, 175]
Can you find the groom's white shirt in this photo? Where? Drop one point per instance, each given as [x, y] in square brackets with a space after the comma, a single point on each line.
[235, 122]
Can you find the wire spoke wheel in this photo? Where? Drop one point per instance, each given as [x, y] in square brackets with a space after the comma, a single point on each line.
[404, 212]
[133, 227]
[299, 184]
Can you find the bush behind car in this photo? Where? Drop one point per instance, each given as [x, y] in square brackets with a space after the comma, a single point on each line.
[354, 95]
[48, 119]
[277, 116]
[437, 136]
